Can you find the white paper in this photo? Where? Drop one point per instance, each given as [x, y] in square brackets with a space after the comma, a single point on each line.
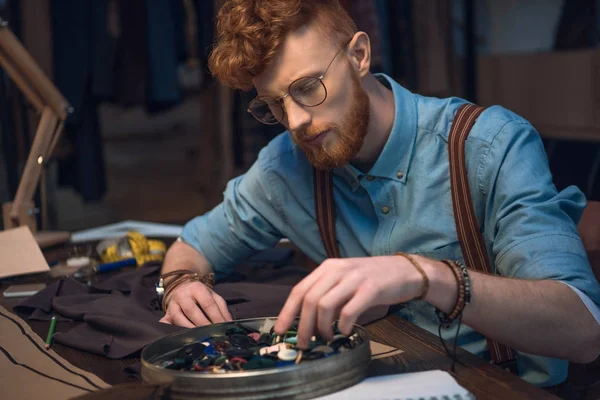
[430, 385]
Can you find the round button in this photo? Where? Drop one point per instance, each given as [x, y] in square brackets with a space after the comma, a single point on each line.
[370, 177]
[239, 353]
[242, 341]
[287, 355]
[400, 174]
[221, 346]
[385, 209]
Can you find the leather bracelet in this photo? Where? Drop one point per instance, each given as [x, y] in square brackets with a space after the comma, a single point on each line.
[177, 272]
[421, 270]
[184, 275]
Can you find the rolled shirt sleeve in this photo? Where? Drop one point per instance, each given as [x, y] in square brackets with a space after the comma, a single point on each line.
[532, 225]
[242, 224]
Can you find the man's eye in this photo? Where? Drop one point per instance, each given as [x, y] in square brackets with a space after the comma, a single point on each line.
[309, 87]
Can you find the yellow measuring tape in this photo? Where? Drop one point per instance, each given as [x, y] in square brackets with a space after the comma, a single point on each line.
[134, 245]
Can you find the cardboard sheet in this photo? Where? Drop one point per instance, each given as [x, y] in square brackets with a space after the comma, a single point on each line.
[20, 253]
[29, 371]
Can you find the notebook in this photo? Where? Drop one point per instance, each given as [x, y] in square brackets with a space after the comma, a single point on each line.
[428, 385]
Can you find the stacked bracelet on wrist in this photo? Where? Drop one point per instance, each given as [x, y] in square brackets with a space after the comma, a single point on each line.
[464, 291]
[183, 276]
[421, 271]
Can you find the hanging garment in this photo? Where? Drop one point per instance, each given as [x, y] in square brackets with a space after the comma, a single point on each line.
[83, 64]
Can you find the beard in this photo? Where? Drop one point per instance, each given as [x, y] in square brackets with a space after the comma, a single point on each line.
[344, 140]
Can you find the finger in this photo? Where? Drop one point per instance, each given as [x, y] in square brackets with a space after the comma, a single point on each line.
[178, 317]
[292, 305]
[330, 305]
[193, 312]
[165, 320]
[222, 304]
[209, 305]
[310, 305]
[362, 300]
[212, 306]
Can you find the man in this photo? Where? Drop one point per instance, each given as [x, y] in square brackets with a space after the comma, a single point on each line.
[388, 152]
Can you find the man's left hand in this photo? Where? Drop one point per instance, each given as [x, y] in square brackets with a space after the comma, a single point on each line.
[347, 288]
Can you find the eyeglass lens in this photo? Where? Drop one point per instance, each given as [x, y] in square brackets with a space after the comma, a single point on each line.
[309, 92]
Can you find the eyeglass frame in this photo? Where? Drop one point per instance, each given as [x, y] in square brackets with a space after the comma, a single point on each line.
[279, 100]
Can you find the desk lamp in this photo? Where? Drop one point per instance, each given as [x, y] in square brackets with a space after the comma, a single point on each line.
[53, 109]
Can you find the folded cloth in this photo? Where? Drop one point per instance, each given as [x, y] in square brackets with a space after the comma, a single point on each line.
[120, 315]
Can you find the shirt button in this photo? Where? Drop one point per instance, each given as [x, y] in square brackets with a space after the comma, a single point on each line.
[385, 209]
[400, 174]
[370, 177]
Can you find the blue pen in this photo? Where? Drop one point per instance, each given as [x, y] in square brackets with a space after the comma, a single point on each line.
[87, 271]
[115, 265]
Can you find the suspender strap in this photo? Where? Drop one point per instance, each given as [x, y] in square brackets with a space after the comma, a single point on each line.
[471, 240]
[325, 210]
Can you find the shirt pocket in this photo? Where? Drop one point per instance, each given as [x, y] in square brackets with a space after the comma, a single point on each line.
[451, 251]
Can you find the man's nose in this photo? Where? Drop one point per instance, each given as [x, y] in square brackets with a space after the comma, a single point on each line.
[297, 116]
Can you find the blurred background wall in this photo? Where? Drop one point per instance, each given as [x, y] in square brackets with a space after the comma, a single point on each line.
[154, 138]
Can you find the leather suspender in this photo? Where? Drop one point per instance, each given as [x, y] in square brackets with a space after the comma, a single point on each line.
[471, 240]
[323, 181]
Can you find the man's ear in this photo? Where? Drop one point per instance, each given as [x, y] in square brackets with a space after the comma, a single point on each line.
[359, 53]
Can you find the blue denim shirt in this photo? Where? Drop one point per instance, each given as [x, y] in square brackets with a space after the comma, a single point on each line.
[529, 228]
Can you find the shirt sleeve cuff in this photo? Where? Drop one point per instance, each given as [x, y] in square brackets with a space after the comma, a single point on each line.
[591, 306]
[192, 232]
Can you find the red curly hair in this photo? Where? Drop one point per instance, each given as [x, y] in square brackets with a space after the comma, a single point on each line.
[250, 33]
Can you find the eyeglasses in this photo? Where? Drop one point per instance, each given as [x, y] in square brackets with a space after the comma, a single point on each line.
[309, 91]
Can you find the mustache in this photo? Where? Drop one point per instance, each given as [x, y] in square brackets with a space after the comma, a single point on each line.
[310, 132]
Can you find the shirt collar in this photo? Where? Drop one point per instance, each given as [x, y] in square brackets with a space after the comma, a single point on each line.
[394, 161]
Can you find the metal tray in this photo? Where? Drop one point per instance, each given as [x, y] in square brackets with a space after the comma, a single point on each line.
[300, 381]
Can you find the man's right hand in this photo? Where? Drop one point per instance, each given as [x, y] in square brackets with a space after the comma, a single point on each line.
[193, 304]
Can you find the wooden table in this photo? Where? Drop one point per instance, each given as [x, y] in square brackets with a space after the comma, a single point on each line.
[421, 351]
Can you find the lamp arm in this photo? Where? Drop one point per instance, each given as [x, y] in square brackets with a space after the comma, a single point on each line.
[34, 163]
[28, 75]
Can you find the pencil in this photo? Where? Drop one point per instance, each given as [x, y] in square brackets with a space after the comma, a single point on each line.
[51, 332]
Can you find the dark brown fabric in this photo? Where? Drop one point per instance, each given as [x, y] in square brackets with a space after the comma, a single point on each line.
[119, 316]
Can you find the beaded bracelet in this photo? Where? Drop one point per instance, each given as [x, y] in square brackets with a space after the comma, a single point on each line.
[467, 278]
[464, 292]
